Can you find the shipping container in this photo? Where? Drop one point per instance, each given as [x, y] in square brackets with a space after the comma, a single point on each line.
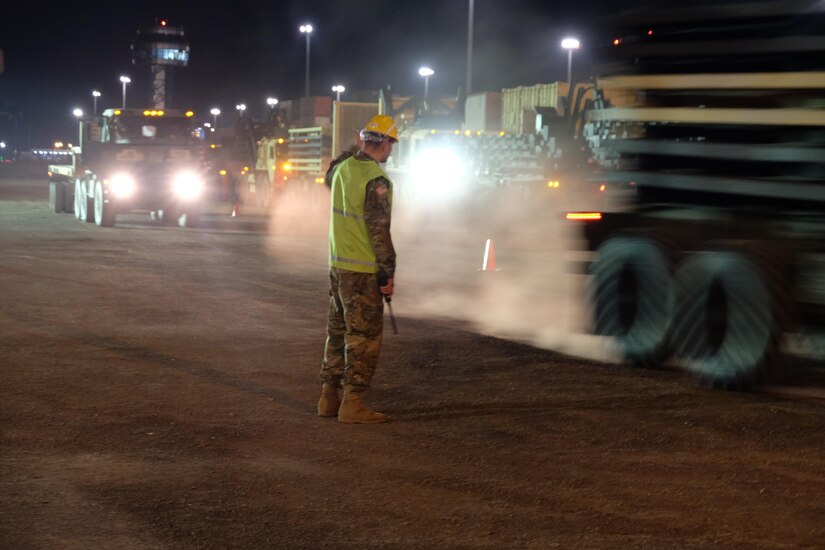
[307, 111]
[482, 112]
[312, 107]
[348, 119]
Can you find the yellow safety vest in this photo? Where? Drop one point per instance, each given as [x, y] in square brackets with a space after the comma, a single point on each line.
[349, 243]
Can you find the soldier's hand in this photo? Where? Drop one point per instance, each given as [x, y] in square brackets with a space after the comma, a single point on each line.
[386, 290]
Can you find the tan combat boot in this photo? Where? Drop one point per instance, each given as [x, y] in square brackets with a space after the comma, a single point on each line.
[329, 402]
[354, 411]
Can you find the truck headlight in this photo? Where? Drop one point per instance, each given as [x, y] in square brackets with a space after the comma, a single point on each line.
[438, 172]
[122, 185]
[188, 185]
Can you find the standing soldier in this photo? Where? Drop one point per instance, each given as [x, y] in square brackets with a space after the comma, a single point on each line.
[362, 268]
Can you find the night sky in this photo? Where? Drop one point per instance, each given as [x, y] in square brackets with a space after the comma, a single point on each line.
[246, 51]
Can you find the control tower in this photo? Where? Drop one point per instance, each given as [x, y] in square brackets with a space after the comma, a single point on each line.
[163, 48]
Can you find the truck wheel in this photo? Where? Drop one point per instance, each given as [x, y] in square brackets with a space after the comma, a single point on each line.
[80, 202]
[725, 329]
[57, 197]
[104, 210]
[632, 291]
[189, 219]
[84, 204]
[263, 190]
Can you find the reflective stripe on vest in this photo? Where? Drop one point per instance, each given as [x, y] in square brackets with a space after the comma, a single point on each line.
[347, 214]
[349, 243]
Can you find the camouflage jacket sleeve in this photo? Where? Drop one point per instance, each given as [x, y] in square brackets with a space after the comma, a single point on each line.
[336, 161]
[377, 212]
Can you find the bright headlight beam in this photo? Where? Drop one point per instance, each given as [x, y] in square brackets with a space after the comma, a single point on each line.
[122, 185]
[188, 185]
[438, 172]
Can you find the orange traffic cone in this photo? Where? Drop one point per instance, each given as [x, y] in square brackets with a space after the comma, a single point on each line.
[489, 263]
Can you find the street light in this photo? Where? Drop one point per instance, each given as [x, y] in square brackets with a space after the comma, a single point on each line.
[469, 79]
[426, 72]
[570, 44]
[307, 30]
[78, 113]
[215, 112]
[125, 80]
[95, 95]
[241, 108]
[338, 89]
[271, 101]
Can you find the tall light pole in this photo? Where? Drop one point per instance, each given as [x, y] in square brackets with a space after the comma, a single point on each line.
[307, 30]
[271, 101]
[570, 44]
[215, 112]
[241, 108]
[125, 80]
[469, 84]
[338, 89]
[95, 95]
[78, 113]
[426, 72]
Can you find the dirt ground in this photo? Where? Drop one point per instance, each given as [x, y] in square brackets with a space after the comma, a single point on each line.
[158, 390]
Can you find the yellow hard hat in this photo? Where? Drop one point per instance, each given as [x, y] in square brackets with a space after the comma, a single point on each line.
[379, 128]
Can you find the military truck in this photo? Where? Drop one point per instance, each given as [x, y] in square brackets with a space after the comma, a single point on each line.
[132, 160]
[715, 253]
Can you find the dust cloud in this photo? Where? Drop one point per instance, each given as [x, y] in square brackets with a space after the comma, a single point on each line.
[535, 293]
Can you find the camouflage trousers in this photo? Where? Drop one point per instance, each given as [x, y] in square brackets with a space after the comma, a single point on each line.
[355, 327]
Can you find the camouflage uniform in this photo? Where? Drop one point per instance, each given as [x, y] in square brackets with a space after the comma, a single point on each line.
[355, 321]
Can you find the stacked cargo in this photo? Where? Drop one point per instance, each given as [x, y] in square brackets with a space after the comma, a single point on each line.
[518, 114]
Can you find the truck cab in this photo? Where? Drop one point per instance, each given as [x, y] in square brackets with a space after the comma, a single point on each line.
[137, 160]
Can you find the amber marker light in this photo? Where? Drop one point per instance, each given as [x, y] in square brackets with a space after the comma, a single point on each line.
[586, 216]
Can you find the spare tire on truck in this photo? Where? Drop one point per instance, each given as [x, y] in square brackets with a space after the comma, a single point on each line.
[632, 294]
